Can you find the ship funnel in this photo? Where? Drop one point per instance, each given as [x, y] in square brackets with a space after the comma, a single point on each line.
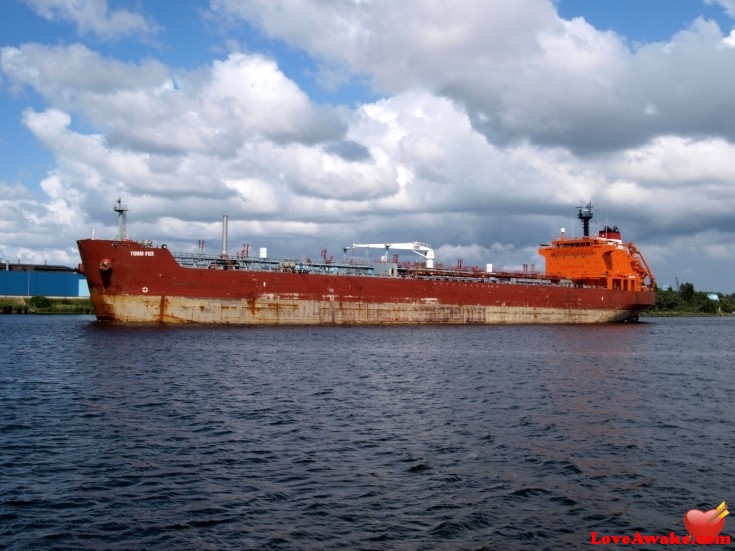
[224, 236]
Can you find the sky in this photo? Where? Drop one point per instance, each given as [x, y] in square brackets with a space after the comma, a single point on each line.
[478, 127]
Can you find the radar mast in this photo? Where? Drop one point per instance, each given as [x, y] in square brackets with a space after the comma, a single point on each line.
[585, 215]
[120, 209]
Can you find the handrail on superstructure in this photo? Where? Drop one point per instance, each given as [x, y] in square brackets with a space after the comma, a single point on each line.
[646, 268]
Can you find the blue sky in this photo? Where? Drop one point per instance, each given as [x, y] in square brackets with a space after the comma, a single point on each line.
[642, 21]
[477, 127]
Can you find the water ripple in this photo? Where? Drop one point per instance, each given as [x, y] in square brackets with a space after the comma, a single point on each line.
[141, 437]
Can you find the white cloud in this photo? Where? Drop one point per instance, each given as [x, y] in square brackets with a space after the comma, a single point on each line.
[94, 17]
[520, 71]
[496, 119]
[70, 76]
[729, 5]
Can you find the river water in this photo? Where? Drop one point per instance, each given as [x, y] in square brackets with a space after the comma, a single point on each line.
[507, 437]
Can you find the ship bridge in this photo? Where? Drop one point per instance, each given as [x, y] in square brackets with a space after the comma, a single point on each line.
[598, 261]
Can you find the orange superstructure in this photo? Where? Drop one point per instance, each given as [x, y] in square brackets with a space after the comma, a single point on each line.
[598, 261]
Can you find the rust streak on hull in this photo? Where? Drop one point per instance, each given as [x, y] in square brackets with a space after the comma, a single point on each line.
[268, 312]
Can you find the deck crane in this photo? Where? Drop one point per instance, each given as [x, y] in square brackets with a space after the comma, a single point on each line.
[422, 249]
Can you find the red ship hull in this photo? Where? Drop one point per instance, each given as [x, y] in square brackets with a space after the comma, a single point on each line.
[130, 282]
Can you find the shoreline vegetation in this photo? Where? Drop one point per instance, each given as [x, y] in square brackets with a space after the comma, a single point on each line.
[685, 301]
[45, 305]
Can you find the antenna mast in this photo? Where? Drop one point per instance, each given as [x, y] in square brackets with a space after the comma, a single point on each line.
[585, 215]
[120, 209]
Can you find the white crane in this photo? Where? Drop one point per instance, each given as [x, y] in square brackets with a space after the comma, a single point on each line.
[422, 249]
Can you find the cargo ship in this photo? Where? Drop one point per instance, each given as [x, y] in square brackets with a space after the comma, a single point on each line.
[587, 279]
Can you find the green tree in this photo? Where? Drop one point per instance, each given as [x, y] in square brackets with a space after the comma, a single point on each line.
[39, 302]
[687, 292]
[687, 300]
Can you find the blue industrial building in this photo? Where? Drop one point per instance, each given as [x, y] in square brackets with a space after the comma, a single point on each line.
[29, 280]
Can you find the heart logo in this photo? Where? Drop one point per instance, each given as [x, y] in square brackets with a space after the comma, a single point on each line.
[699, 523]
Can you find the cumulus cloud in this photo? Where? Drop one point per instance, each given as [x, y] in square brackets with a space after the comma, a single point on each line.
[150, 107]
[71, 76]
[95, 17]
[491, 122]
[729, 5]
[520, 71]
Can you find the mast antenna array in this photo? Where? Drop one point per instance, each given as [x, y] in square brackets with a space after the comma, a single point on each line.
[585, 215]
